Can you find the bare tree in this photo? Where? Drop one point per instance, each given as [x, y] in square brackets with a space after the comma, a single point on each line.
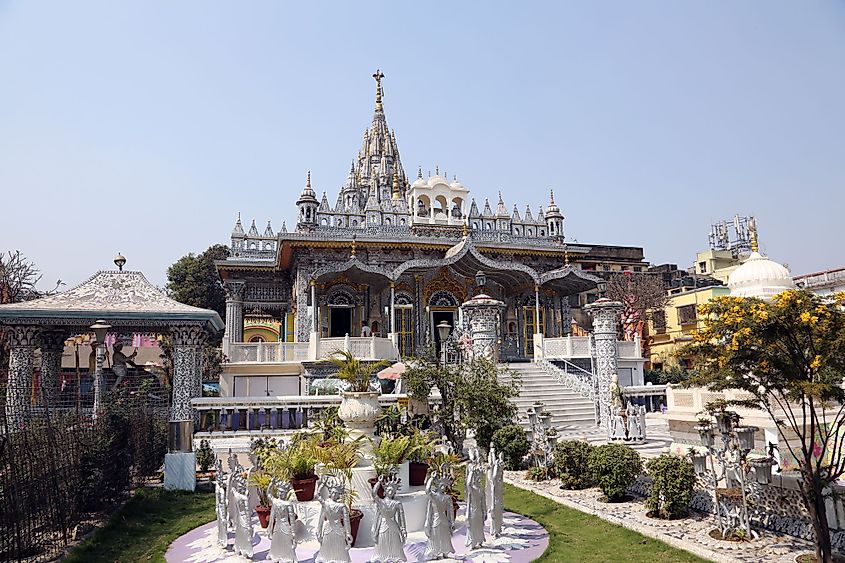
[640, 295]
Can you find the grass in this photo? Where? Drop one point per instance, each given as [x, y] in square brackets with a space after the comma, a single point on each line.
[578, 537]
[145, 526]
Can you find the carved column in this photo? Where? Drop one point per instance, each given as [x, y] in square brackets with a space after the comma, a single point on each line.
[187, 371]
[234, 331]
[52, 347]
[565, 316]
[22, 341]
[303, 325]
[605, 315]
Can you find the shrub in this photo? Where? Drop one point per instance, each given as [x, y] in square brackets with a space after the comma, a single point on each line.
[538, 474]
[205, 456]
[571, 464]
[614, 467]
[511, 441]
[673, 479]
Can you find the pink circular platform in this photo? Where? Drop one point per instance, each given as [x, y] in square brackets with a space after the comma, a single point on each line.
[522, 540]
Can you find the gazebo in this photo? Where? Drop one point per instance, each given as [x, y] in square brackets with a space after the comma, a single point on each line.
[128, 304]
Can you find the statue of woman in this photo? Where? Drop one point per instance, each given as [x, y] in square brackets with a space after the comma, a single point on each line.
[389, 531]
[221, 503]
[234, 469]
[495, 484]
[282, 523]
[243, 524]
[334, 529]
[476, 505]
[439, 516]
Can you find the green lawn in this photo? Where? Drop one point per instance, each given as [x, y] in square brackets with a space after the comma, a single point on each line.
[145, 526]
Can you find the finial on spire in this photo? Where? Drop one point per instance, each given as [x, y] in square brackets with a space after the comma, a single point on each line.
[308, 181]
[395, 194]
[752, 227]
[465, 229]
[551, 197]
[379, 93]
[501, 201]
[354, 245]
[419, 173]
[437, 170]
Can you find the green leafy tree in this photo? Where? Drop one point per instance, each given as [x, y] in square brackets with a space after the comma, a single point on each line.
[673, 480]
[789, 356]
[475, 395]
[193, 280]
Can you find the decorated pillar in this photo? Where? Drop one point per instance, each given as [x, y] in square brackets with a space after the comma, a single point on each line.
[539, 345]
[482, 317]
[180, 461]
[605, 315]
[234, 329]
[22, 343]
[52, 346]
[303, 327]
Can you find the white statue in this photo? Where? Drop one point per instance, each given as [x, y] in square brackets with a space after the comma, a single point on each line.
[334, 530]
[234, 469]
[282, 525]
[476, 503]
[221, 504]
[389, 530]
[495, 486]
[243, 525]
[440, 515]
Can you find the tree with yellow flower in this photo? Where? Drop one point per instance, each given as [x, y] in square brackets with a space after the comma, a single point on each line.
[789, 354]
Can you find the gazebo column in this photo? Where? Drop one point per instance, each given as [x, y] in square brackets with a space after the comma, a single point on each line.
[605, 315]
[22, 341]
[234, 328]
[538, 330]
[52, 347]
[180, 461]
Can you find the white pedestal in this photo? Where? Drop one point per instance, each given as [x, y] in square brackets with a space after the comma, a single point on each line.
[180, 471]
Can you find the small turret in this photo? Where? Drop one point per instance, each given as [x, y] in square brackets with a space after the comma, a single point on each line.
[253, 230]
[554, 218]
[307, 204]
[238, 231]
[268, 231]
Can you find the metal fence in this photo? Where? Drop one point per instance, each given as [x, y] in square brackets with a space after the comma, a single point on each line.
[63, 470]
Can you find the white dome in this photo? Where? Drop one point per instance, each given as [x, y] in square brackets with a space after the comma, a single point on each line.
[759, 277]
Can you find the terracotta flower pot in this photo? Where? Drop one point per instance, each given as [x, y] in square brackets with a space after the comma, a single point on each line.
[263, 515]
[372, 481]
[304, 488]
[416, 473]
[355, 517]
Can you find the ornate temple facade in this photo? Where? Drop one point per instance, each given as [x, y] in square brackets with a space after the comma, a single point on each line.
[400, 254]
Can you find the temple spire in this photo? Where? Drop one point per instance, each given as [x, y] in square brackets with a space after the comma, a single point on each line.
[379, 92]
[752, 227]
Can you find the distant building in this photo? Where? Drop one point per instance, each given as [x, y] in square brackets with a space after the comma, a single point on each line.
[823, 283]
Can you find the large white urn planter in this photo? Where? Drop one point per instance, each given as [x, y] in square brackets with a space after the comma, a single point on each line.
[359, 411]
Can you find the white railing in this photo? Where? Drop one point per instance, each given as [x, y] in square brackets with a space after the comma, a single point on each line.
[362, 347]
[579, 347]
[267, 352]
[232, 414]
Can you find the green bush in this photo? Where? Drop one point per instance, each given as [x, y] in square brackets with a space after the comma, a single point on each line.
[205, 456]
[673, 479]
[614, 467]
[538, 474]
[571, 464]
[511, 441]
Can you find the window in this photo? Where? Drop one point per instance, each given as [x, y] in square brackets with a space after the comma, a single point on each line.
[638, 268]
[702, 267]
[659, 321]
[686, 314]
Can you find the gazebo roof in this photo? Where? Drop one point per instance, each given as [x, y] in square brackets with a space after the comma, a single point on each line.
[127, 299]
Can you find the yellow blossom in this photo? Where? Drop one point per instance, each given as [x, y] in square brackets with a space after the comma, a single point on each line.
[816, 363]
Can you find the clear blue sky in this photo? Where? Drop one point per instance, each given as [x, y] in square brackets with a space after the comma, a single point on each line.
[144, 127]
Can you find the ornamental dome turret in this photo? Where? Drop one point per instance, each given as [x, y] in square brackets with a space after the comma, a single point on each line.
[759, 277]
[307, 204]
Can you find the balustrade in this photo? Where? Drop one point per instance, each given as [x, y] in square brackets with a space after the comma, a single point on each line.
[579, 347]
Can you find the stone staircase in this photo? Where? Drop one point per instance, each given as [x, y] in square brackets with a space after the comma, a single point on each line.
[567, 407]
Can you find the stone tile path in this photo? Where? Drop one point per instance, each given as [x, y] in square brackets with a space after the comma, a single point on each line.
[690, 534]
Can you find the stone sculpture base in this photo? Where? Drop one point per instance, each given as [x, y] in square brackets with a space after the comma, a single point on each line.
[522, 540]
[180, 471]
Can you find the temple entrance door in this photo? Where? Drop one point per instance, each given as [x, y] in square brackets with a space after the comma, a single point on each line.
[438, 316]
[528, 315]
[340, 322]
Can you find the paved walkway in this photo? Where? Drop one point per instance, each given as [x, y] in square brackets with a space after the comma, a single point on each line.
[690, 534]
[657, 432]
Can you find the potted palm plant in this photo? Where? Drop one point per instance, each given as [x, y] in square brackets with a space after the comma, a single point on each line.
[389, 454]
[422, 448]
[296, 463]
[359, 408]
[260, 479]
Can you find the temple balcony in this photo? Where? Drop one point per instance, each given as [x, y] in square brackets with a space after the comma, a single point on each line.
[363, 348]
[570, 347]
